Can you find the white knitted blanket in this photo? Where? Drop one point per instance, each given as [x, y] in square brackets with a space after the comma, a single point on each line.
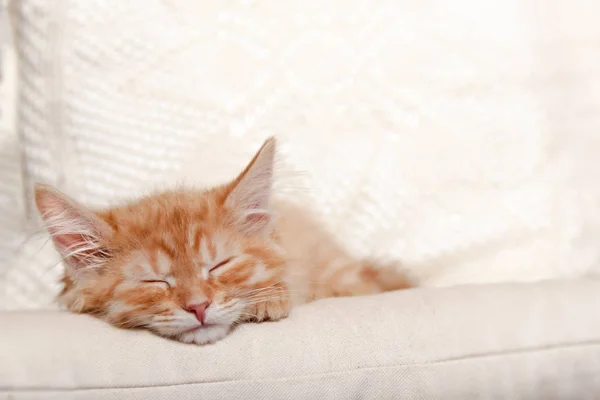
[460, 137]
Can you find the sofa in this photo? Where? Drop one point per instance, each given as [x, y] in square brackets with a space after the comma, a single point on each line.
[459, 138]
[508, 341]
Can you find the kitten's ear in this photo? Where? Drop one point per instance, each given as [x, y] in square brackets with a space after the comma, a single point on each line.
[251, 191]
[78, 234]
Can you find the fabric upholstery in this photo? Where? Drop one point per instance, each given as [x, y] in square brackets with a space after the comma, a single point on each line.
[507, 341]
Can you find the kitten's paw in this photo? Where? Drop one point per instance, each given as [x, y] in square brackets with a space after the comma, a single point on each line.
[271, 310]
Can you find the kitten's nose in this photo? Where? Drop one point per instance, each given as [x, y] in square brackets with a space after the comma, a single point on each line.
[199, 310]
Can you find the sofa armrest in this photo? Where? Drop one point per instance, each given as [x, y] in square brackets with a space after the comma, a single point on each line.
[516, 341]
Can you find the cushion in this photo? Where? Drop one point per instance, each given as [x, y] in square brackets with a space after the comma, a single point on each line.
[505, 341]
[459, 137]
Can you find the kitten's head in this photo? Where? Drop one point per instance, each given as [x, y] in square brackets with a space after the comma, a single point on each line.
[184, 264]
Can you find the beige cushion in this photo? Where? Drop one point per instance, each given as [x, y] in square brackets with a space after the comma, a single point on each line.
[510, 341]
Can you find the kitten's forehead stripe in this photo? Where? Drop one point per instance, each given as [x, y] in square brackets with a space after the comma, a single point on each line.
[168, 245]
[203, 250]
[194, 237]
[163, 263]
[222, 248]
[212, 250]
[196, 233]
[152, 261]
[169, 242]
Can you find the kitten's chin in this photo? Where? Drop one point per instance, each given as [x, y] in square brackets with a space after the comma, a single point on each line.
[205, 334]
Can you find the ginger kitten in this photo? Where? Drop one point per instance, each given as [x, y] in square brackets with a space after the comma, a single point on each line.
[191, 264]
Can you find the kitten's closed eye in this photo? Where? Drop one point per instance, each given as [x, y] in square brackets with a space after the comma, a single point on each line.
[157, 281]
[220, 264]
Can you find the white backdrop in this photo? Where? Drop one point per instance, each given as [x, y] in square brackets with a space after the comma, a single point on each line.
[460, 137]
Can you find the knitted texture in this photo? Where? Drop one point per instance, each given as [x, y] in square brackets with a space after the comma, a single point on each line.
[11, 205]
[461, 137]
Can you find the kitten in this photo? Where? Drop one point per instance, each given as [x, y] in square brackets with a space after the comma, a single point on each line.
[190, 265]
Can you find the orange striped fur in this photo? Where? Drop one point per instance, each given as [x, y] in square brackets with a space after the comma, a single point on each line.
[191, 264]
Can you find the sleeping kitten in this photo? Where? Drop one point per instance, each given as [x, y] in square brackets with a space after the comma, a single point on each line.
[189, 264]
